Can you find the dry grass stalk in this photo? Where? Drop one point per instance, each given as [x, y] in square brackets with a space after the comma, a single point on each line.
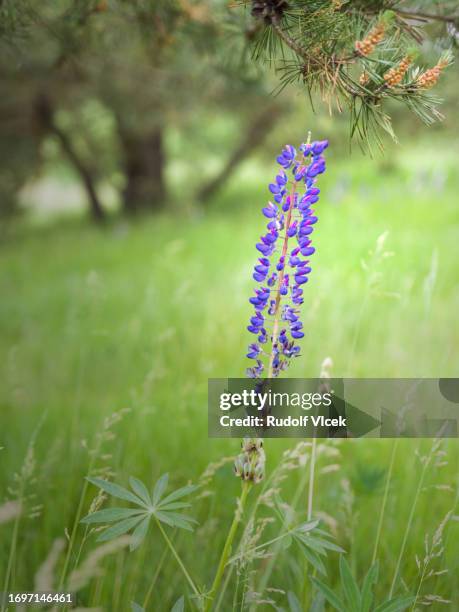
[90, 568]
[10, 510]
[45, 578]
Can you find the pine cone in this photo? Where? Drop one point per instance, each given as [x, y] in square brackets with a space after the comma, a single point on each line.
[430, 77]
[268, 10]
[395, 75]
[375, 36]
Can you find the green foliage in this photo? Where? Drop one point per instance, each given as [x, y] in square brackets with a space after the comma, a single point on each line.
[317, 44]
[356, 600]
[156, 505]
[179, 605]
[124, 326]
[293, 602]
[313, 542]
[113, 75]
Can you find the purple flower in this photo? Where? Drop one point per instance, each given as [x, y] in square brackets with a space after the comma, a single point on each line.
[292, 229]
[254, 351]
[284, 267]
[270, 210]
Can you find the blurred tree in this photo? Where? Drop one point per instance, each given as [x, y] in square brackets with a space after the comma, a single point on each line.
[149, 63]
[358, 54]
[46, 115]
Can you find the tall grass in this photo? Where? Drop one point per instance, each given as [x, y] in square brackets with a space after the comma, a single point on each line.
[139, 316]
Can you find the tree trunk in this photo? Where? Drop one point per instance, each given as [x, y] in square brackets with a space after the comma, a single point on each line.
[255, 134]
[46, 114]
[144, 160]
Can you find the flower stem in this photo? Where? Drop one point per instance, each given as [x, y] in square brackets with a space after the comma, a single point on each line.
[426, 462]
[154, 579]
[279, 283]
[312, 469]
[424, 568]
[384, 501]
[227, 547]
[274, 553]
[179, 561]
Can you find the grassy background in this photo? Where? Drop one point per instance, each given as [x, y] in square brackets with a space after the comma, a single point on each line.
[139, 315]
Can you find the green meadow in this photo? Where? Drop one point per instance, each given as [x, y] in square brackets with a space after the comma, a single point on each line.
[107, 339]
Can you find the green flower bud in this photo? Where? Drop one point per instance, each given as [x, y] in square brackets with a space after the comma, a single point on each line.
[250, 463]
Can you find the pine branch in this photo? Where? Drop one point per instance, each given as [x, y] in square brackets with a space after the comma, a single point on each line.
[427, 16]
[353, 54]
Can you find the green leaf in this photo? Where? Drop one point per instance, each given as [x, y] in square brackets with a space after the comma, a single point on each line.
[181, 516]
[181, 520]
[395, 605]
[136, 608]
[318, 603]
[325, 544]
[293, 602]
[119, 528]
[179, 605]
[109, 515]
[160, 487]
[179, 493]
[140, 489]
[164, 517]
[329, 595]
[174, 506]
[115, 490]
[310, 543]
[284, 512]
[369, 581]
[350, 586]
[308, 526]
[139, 533]
[314, 560]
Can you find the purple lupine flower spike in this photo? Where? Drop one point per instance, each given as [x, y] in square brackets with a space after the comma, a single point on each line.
[284, 267]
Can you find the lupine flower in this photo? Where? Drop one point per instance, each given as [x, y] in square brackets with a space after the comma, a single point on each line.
[250, 463]
[284, 268]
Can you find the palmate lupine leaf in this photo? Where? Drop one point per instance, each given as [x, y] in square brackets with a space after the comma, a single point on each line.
[315, 546]
[159, 488]
[179, 605]
[114, 490]
[313, 542]
[137, 520]
[119, 529]
[315, 560]
[356, 600]
[140, 489]
[110, 515]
